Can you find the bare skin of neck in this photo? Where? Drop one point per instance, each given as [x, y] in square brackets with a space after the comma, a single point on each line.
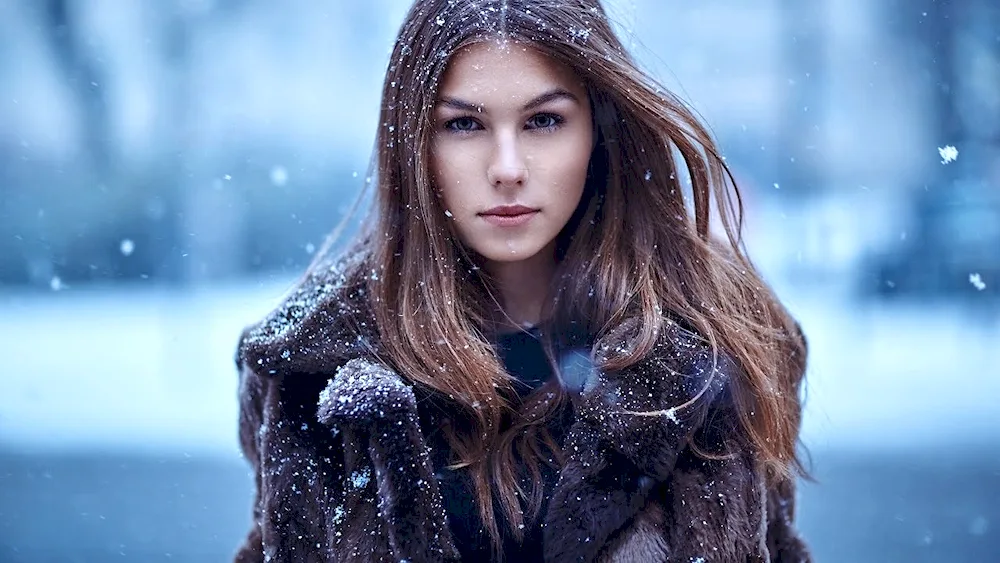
[524, 286]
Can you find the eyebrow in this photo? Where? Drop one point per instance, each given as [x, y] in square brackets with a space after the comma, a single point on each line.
[554, 94]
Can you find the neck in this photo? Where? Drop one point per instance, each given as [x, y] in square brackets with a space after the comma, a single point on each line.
[524, 286]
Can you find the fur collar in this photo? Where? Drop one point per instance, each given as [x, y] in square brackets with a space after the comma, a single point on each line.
[325, 322]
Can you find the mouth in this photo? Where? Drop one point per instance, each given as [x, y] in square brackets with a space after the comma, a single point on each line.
[509, 210]
[509, 215]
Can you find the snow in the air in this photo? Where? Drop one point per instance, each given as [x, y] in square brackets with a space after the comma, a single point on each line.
[948, 154]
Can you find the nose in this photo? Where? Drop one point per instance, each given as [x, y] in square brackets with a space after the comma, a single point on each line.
[508, 166]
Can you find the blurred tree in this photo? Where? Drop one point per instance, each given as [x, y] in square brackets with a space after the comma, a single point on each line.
[799, 163]
[75, 235]
[84, 78]
[155, 208]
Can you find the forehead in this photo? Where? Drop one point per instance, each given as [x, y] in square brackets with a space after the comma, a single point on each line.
[507, 68]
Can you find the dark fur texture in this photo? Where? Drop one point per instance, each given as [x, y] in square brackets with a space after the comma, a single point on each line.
[343, 472]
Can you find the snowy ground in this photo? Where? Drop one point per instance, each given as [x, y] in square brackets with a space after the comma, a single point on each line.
[898, 377]
[152, 370]
[125, 369]
[118, 428]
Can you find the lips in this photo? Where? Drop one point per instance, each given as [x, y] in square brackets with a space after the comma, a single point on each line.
[508, 210]
[509, 215]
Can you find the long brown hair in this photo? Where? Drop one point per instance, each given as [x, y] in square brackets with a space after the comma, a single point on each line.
[637, 247]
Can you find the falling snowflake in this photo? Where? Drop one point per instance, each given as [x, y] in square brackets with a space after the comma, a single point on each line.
[279, 176]
[127, 247]
[56, 284]
[977, 281]
[979, 526]
[227, 177]
[948, 153]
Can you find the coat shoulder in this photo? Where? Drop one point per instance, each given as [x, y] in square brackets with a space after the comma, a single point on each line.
[324, 321]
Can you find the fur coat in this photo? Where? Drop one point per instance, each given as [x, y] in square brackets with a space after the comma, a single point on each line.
[344, 472]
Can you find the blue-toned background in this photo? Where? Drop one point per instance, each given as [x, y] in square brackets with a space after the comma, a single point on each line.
[168, 167]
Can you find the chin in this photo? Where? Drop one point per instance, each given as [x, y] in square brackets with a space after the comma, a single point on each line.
[504, 254]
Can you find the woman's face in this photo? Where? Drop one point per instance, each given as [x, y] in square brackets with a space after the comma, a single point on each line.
[511, 143]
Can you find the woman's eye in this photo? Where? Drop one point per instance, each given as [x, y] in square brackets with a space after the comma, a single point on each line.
[463, 124]
[544, 121]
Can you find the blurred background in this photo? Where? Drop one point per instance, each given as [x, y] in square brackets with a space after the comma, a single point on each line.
[167, 169]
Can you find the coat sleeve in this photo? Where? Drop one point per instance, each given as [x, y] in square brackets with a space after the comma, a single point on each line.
[370, 397]
[341, 468]
[299, 469]
[302, 504]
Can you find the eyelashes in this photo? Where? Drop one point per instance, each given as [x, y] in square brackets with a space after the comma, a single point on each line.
[545, 121]
[465, 124]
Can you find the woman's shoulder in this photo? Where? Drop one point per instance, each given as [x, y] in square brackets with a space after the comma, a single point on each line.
[323, 321]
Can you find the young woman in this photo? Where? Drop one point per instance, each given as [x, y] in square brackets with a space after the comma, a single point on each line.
[533, 350]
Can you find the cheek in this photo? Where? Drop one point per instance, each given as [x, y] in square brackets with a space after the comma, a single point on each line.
[450, 176]
[442, 172]
[572, 159]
